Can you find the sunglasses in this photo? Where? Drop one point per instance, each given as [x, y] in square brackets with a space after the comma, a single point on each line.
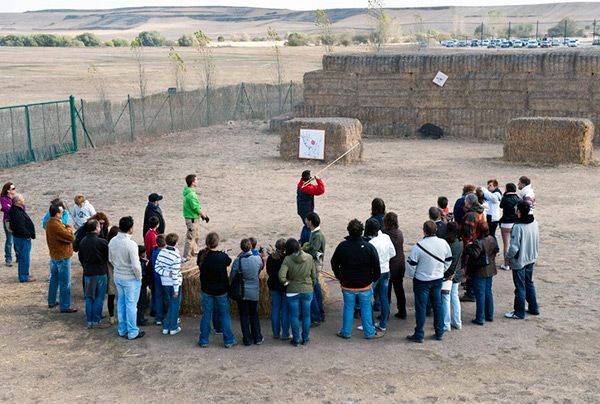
[12, 188]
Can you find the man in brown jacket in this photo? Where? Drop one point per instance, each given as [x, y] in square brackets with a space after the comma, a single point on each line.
[60, 244]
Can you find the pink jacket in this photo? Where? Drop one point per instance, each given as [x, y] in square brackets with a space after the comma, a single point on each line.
[6, 204]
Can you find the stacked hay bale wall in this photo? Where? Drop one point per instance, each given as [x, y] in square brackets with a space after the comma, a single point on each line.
[393, 94]
[191, 296]
[549, 140]
[340, 135]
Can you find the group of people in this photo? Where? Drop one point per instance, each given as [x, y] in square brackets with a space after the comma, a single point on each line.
[458, 247]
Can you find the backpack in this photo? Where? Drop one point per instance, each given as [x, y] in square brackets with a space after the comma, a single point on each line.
[236, 289]
[477, 256]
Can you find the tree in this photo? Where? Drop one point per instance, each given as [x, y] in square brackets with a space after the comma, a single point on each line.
[185, 40]
[179, 68]
[151, 38]
[487, 31]
[273, 36]
[323, 23]
[89, 40]
[120, 43]
[382, 23]
[297, 39]
[138, 53]
[559, 29]
[206, 62]
[360, 39]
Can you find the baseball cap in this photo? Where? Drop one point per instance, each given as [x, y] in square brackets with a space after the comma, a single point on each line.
[154, 197]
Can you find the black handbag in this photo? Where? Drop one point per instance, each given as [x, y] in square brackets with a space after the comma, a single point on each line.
[236, 289]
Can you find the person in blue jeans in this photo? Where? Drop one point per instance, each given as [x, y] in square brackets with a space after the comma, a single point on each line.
[93, 255]
[280, 322]
[8, 192]
[522, 254]
[59, 238]
[355, 264]
[316, 248]
[299, 276]
[214, 284]
[23, 231]
[168, 266]
[481, 268]
[127, 271]
[427, 262]
[158, 300]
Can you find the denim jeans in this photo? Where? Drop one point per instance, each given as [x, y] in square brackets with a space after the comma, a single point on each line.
[8, 243]
[524, 291]
[280, 320]
[451, 308]
[170, 322]
[484, 300]
[220, 305]
[95, 301]
[158, 300]
[366, 312]
[300, 303]
[23, 251]
[249, 321]
[425, 290]
[381, 290]
[128, 292]
[317, 311]
[60, 280]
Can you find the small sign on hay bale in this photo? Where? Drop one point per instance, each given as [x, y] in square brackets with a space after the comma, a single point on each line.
[191, 295]
[549, 140]
[340, 135]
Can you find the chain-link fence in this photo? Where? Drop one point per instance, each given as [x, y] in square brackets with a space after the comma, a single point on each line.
[47, 130]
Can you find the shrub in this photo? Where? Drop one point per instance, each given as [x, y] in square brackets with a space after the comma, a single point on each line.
[89, 39]
[220, 38]
[297, 39]
[185, 40]
[151, 38]
[120, 42]
[360, 39]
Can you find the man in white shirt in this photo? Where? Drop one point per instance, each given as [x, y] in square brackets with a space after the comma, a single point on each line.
[526, 192]
[427, 262]
[123, 255]
[385, 251]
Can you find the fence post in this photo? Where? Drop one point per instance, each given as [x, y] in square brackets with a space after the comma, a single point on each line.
[83, 121]
[207, 106]
[131, 118]
[28, 126]
[73, 122]
[171, 113]
[291, 96]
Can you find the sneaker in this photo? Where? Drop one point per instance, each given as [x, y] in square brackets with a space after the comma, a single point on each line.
[158, 323]
[505, 267]
[315, 324]
[231, 345]
[260, 341]
[219, 332]
[294, 343]
[339, 334]
[69, 310]
[140, 335]
[30, 279]
[512, 315]
[165, 331]
[359, 328]
[447, 329]
[51, 306]
[381, 328]
[533, 313]
[476, 322]
[456, 327]
[123, 336]
[205, 345]
[111, 319]
[413, 338]
[376, 335]
[305, 341]
[439, 337]
[176, 331]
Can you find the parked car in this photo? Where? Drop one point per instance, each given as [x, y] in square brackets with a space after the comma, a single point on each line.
[506, 44]
[492, 45]
[532, 43]
[485, 42]
[555, 42]
[517, 43]
[573, 43]
[474, 43]
[545, 43]
[596, 42]
[462, 43]
[450, 44]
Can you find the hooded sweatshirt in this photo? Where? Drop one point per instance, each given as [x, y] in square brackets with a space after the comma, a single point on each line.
[355, 263]
[524, 243]
[191, 205]
[473, 216]
[299, 270]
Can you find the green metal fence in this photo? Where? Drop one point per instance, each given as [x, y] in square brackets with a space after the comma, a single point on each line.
[44, 131]
[39, 131]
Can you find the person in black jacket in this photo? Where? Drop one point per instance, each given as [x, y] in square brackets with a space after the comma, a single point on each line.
[93, 255]
[23, 232]
[355, 264]
[280, 321]
[153, 209]
[509, 218]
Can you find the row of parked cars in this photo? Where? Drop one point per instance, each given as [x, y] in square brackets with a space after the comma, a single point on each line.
[510, 43]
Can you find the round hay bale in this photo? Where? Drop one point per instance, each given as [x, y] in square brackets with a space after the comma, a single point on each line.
[191, 295]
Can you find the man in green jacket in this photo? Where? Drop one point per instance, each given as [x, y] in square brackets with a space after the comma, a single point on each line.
[192, 213]
[316, 248]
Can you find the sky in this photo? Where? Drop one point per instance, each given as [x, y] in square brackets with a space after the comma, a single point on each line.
[25, 5]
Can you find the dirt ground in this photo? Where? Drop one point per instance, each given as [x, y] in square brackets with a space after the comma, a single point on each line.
[247, 190]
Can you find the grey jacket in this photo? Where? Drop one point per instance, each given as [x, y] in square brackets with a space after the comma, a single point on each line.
[524, 243]
[250, 267]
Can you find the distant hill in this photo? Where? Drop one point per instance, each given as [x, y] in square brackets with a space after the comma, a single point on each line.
[227, 21]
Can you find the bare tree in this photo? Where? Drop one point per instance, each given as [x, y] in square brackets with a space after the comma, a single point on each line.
[206, 61]
[274, 37]
[179, 69]
[382, 23]
[99, 82]
[137, 48]
[323, 23]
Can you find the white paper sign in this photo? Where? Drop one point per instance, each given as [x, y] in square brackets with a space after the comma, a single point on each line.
[440, 79]
[312, 144]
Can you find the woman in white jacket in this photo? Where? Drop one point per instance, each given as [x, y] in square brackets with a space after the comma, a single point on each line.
[493, 196]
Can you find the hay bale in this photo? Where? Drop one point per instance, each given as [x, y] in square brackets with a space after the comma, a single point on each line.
[191, 297]
[340, 135]
[276, 121]
[549, 140]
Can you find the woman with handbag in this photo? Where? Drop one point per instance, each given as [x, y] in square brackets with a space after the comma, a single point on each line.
[481, 267]
[249, 266]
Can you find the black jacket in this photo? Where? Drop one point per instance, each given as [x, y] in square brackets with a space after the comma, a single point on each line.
[213, 272]
[21, 224]
[273, 267]
[153, 210]
[93, 255]
[507, 204]
[355, 263]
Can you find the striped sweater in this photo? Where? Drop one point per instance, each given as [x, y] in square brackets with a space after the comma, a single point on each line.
[168, 266]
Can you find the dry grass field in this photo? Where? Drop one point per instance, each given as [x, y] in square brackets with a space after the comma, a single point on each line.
[248, 190]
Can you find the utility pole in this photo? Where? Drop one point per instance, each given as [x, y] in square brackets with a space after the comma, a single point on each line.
[537, 30]
[565, 35]
[509, 30]
[481, 33]
[594, 33]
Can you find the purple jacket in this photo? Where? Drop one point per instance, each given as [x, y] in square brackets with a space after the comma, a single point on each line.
[6, 204]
